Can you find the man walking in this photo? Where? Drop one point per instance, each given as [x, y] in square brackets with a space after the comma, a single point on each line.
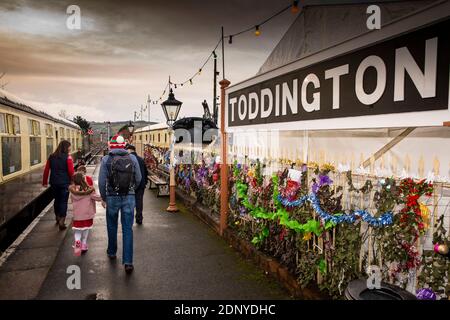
[139, 194]
[119, 177]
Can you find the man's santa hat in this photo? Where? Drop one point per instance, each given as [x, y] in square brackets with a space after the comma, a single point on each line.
[117, 142]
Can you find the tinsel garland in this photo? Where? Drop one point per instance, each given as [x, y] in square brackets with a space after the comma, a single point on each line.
[409, 224]
[384, 220]
[412, 220]
[280, 214]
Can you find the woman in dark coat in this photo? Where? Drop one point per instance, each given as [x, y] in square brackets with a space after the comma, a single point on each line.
[60, 167]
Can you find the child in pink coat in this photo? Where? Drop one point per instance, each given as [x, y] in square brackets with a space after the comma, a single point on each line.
[83, 199]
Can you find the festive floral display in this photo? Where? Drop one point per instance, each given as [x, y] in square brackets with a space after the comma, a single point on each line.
[300, 214]
[297, 216]
[200, 181]
[426, 294]
[154, 156]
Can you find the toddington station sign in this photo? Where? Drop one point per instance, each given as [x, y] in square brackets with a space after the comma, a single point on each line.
[402, 74]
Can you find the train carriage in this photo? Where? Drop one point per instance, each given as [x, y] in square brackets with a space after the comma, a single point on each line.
[29, 136]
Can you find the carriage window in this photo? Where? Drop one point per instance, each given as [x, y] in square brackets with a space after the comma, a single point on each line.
[34, 128]
[165, 137]
[2, 123]
[12, 124]
[49, 146]
[16, 124]
[61, 133]
[35, 150]
[11, 155]
[48, 130]
[159, 137]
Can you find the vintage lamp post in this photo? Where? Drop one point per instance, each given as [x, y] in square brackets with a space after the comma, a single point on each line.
[171, 107]
[130, 128]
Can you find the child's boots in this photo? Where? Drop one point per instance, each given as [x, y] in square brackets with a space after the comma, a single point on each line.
[77, 248]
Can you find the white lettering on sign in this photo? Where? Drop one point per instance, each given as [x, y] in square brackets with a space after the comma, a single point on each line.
[370, 98]
[290, 98]
[315, 104]
[400, 75]
[253, 105]
[242, 105]
[425, 82]
[266, 93]
[233, 103]
[277, 100]
[335, 74]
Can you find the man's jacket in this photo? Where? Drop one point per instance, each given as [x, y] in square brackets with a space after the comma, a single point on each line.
[144, 172]
[106, 190]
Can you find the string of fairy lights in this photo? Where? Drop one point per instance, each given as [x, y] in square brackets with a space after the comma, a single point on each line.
[294, 7]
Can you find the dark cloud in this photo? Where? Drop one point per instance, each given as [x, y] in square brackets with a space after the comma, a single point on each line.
[127, 49]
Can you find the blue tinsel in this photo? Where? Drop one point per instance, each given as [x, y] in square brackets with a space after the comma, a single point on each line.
[384, 220]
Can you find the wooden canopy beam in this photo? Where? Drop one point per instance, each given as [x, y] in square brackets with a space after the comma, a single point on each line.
[388, 146]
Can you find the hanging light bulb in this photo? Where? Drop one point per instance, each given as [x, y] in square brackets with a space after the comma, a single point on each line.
[295, 8]
[257, 31]
[200, 71]
[230, 39]
[190, 81]
[175, 85]
[181, 84]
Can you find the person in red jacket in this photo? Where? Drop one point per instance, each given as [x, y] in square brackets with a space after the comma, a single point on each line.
[60, 168]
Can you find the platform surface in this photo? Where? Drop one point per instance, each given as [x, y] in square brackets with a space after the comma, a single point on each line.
[176, 256]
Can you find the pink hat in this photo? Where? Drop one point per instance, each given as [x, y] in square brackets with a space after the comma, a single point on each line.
[117, 142]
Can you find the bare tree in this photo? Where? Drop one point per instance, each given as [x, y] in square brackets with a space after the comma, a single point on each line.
[63, 114]
[3, 85]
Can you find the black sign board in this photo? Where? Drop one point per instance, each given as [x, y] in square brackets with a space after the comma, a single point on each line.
[407, 73]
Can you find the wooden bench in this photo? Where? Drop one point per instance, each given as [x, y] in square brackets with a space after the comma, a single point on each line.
[156, 182]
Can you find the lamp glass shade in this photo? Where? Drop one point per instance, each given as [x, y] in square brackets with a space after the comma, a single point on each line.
[171, 108]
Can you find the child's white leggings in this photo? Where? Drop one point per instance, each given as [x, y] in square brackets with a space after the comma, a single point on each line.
[81, 235]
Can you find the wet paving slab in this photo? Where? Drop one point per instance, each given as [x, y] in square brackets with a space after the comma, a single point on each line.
[25, 264]
[176, 256]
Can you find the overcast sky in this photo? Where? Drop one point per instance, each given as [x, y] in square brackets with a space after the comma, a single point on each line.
[127, 49]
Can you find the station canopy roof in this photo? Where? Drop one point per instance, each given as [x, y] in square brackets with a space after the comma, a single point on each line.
[323, 24]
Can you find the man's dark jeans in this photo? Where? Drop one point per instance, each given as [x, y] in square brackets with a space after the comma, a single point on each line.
[139, 196]
[124, 204]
